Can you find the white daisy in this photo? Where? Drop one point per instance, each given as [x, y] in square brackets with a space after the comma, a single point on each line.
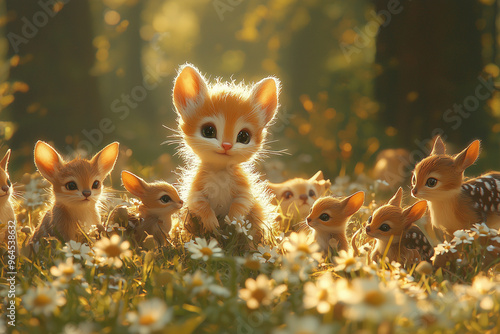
[200, 283]
[113, 250]
[43, 300]
[320, 295]
[266, 254]
[346, 261]
[78, 250]
[260, 291]
[152, 315]
[462, 237]
[67, 271]
[304, 325]
[201, 249]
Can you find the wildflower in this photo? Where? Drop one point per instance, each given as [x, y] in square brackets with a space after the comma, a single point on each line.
[347, 262]
[250, 262]
[151, 316]
[320, 295]
[200, 283]
[115, 228]
[81, 328]
[113, 250]
[400, 273]
[43, 300]
[302, 244]
[77, 250]
[462, 237]
[266, 254]
[294, 269]
[115, 282]
[304, 325]
[241, 225]
[491, 248]
[67, 271]
[204, 250]
[260, 291]
[482, 230]
[444, 248]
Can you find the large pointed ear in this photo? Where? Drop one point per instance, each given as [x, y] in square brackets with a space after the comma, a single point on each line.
[353, 203]
[468, 156]
[414, 213]
[397, 198]
[264, 97]
[190, 91]
[5, 161]
[439, 147]
[134, 184]
[317, 177]
[106, 158]
[47, 160]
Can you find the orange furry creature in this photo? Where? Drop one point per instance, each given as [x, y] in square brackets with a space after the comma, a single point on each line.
[77, 190]
[296, 196]
[159, 201]
[408, 244]
[7, 215]
[392, 166]
[329, 217]
[223, 128]
[455, 203]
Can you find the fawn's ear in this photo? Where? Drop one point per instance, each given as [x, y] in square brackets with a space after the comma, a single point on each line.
[317, 177]
[264, 97]
[439, 147]
[47, 160]
[397, 198]
[134, 184]
[468, 156]
[106, 158]
[353, 203]
[414, 213]
[190, 91]
[5, 161]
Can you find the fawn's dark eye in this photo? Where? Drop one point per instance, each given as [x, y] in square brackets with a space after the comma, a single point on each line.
[96, 184]
[165, 199]
[370, 220]
[9, 183]
[312, 193]
[431, 182]
[324, 217]
[287, 194]
[209, 131]
[243, 137]
[71, 185]
[384, 227]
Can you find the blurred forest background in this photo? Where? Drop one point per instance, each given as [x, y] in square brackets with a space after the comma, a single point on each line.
[358, 76]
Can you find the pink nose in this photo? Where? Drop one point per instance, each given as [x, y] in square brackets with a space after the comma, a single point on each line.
[303, 197]
[227, 146]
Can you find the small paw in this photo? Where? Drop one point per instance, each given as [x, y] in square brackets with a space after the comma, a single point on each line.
[211, 223]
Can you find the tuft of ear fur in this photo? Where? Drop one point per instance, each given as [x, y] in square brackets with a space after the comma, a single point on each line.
[47, 160]
[134, 184]
[397, 198]
[5, 161]
[317, 177]
[106, 158]
[468, 156]
[439, 147]
[353, 203]
[414, 213]
[190, 91]
[264, 97]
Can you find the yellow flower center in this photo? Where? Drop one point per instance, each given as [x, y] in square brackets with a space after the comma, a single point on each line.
[42, 300]
[252, 264]
[146, 320]
[350, 262]
[374, 298]
[323, 294]
[197, 282]
[75, 251]
[206, 251]
[259, 295]
[266, 256]
[303, 248]
[68, 271]
[113, 250]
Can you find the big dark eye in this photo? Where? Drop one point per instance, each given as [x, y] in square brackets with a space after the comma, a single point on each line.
[370, 220]
[165, 199]
[287, 194]
[312, 193]
[431, 182]
[71, 185]
[96, 184]
[243, 137]
[324, 217]
[9, 183]
[384, 227]
[208, 131]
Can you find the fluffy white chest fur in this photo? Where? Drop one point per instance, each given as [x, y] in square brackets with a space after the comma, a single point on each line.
[220, 189]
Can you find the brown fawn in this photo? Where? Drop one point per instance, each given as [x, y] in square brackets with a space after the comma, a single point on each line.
[77, 191]
[392, 226]
[159, 201]
[329, 217]
[456, 203]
